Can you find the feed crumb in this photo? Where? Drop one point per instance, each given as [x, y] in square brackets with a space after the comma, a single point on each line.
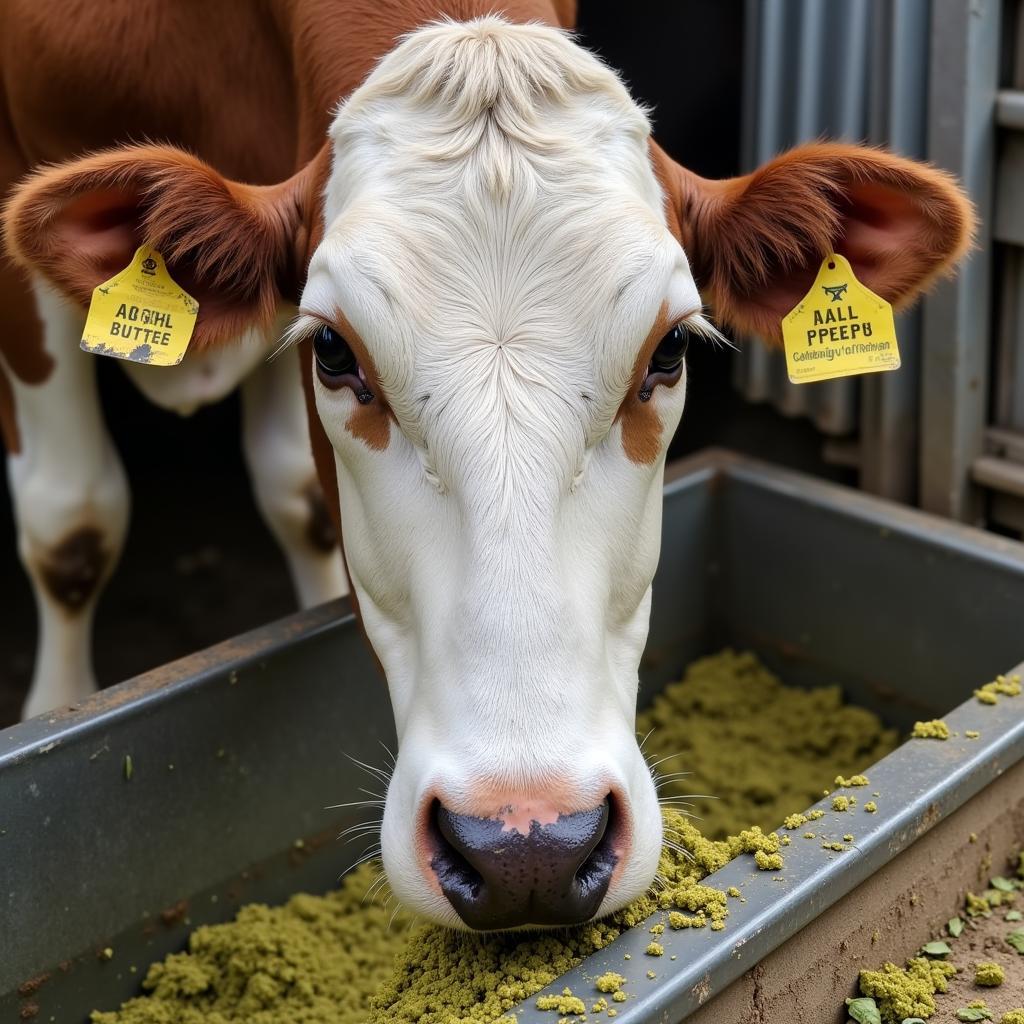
[838, 847]
[815, 814]
[657, 929]
[106, 954]
[610, 981]
[809, 835]
[786, 840]
[977, 906]
[871, 807]
[1007, 686]
[651, 974]
[655, 949]
[936, 729]
[1013, 1017]
[562, 1003]
[768, 861]
[848, 839]
[733, 891]
[840, 803]
[619, 997]
[972, 734]
[988, 975]
[793, 821]
[853, 780]
[907, 992]
[600, 1006]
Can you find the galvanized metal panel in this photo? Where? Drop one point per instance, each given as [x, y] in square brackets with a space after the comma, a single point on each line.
[965, 44]
[255, 731]
[856, 71]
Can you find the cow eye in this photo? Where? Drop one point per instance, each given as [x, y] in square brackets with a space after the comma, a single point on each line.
[671, 351]
[666, 365]
[334, 358]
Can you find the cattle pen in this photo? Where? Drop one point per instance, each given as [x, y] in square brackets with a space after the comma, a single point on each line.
[209, 802]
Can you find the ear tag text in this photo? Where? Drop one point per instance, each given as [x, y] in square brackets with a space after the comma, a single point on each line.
[839, 328]
[141, 314]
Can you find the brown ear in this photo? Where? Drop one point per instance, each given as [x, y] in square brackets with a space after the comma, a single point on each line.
[755, 243]
[238, 249]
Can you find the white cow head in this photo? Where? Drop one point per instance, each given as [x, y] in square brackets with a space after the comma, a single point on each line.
[499, 301]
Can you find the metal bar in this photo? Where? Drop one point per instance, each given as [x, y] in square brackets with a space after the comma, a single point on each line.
[890, 402]
[965, 46]
[1010, 109]
[999, 474]
[1008, 443]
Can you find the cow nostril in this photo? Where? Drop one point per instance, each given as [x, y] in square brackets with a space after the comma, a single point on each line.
[497, 877]
[451, 867]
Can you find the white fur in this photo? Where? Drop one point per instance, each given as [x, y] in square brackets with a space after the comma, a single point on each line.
[495, 235]
[68, 474]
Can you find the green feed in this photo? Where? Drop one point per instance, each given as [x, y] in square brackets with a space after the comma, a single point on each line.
[763, 749]
[340, 958]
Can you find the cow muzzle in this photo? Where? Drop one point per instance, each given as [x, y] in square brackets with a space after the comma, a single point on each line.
[525, 867]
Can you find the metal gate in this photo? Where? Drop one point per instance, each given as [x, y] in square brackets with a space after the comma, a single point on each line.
[1000, 469]
[920, 77]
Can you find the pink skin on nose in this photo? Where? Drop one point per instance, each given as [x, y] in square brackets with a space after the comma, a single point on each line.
[519, 817]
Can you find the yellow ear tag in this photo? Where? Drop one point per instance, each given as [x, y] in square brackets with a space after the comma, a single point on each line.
[141, 314]
[839, 328]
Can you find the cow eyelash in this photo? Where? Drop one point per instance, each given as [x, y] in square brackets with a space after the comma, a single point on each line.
[667, 360]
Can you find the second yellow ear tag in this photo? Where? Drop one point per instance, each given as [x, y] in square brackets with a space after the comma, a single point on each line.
[839, 328]
[141, 314]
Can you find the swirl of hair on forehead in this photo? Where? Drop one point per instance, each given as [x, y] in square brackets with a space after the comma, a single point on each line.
[495, 95]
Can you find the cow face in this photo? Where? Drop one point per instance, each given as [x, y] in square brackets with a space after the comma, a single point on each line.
[499, 304]
[499, 317]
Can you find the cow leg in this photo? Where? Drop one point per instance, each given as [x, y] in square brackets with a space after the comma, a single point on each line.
[70, 502]
[275, 439]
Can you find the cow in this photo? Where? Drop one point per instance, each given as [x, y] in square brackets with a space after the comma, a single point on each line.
[496, 273]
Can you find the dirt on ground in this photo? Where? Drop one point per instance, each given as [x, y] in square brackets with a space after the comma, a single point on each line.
[983, 940]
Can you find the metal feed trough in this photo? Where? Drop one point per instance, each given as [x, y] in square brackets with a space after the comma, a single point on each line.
[235, 751]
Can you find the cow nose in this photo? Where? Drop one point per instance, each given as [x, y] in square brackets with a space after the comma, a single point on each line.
[496, 877]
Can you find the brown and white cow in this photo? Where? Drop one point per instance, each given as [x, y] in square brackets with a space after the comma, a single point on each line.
[497, 274]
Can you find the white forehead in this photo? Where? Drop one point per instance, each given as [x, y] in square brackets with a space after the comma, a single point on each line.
[491, 185]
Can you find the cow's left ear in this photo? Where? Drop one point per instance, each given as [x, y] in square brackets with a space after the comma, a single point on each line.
[238, 249]
[755, 243]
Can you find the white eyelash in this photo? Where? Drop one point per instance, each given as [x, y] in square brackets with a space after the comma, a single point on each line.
[704, 328]
[298, 330]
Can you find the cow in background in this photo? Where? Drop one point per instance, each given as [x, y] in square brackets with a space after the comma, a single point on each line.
[497, 274]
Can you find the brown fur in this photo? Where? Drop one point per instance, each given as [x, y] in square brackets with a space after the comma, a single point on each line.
[246, 85]
[231, 246]
[641, 425]
[321, 532]
[75, 568]
[755, 243]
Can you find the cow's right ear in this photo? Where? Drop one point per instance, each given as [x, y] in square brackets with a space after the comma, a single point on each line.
[238, 249]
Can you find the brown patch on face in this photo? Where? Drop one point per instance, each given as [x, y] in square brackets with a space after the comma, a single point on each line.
[75, 567]
[641, 426]
[320, 532]
[371, 422]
